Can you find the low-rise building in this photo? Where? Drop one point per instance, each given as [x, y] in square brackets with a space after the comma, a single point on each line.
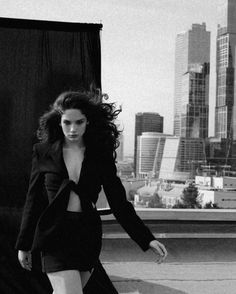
[216, 182]
[218, 190]
[223, 199]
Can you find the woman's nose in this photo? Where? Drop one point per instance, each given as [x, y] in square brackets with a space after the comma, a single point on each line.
[73, 127]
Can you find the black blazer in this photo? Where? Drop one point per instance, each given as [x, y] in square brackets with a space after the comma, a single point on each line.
[48, 195]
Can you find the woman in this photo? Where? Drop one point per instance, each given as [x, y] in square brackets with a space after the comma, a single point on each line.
[76, 156]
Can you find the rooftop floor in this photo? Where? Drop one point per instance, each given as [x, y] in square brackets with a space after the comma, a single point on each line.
[173, 278]
[193, 266]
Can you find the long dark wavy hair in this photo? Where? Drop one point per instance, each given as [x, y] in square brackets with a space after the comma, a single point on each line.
[101, 135]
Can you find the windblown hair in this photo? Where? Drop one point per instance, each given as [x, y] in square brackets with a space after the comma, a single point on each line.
[101, 135]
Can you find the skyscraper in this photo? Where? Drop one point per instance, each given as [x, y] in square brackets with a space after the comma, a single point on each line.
[146, 122]
[149, 153]
[192, 59]
[225, 111]
[169, 157]
[181, 157]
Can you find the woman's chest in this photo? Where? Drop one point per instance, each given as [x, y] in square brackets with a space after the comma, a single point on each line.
[73, 165]
[81, 169]
[73, 162]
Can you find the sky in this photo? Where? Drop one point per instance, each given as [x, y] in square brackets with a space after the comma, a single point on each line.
[138, 48]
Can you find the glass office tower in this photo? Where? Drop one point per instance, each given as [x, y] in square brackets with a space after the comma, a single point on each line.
[146, 122]
[225, 114]
[192, 59]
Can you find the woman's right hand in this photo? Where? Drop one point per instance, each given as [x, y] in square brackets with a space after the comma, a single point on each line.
[25, 259]
[159, 249]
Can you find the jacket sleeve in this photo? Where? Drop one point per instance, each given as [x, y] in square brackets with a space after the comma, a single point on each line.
[122, 209]
[34, 205]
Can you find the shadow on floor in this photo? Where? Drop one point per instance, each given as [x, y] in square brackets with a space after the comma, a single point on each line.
[137, 286]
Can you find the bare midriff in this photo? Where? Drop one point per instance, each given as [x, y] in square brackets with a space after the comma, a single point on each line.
[74, 203]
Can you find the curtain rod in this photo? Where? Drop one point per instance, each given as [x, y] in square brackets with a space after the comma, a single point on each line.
[48, 25]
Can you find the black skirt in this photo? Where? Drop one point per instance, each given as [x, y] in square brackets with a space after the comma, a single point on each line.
[79, 245]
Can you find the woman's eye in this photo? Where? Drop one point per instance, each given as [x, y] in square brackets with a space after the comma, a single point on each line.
[66, 122]
[80, 122]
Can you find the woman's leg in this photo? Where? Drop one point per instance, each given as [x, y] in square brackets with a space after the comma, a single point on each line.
[85, 277]
[99, 282]
[66, 282]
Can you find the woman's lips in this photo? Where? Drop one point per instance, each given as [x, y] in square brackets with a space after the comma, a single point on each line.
[73, 136]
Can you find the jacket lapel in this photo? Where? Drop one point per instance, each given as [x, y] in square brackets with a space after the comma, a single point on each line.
[56, 154]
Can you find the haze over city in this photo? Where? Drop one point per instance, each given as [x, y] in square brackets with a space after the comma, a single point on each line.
[138, 48]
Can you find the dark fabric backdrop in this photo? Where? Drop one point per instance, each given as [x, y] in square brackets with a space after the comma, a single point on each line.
[38, 60]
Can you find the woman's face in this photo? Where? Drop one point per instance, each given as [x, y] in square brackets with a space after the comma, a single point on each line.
[73, 124]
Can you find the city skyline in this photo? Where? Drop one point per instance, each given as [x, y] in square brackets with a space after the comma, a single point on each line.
[138, 41]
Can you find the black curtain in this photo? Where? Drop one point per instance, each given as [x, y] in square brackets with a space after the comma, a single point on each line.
[38, 60]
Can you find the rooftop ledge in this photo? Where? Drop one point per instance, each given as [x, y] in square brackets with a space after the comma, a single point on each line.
[176, 236]
[179, 223]
[182, 214]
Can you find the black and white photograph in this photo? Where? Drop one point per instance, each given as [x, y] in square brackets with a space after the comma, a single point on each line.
[117, 147]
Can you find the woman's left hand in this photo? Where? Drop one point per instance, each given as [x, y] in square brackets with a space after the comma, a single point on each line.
[158, 248]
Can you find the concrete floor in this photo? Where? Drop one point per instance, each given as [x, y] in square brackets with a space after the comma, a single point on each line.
[193, 266]
[173, 278]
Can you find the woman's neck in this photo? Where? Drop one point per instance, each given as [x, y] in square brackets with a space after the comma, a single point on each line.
[74, 145]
